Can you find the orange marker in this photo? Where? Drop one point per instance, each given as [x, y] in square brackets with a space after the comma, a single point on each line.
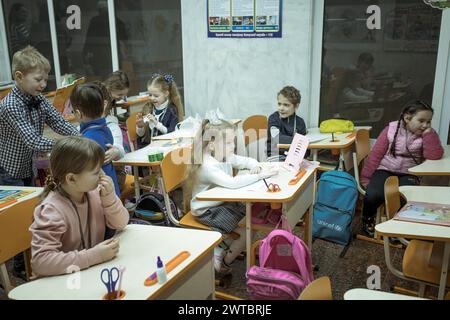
[179, 258]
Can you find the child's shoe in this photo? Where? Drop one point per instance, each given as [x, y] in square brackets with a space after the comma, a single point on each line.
[368, 227]
[219, 265]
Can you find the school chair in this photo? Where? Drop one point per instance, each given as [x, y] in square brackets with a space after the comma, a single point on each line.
[255, 136]
[144, 183]
[319, 289]
[416, 258]
[4, 92]
[62, 95]
[15, 237]
[362, 150]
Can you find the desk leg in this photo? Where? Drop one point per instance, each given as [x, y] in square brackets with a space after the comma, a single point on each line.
[314, 154]
[341, 160]
[248, 229]
[443, 282]
[136, 182]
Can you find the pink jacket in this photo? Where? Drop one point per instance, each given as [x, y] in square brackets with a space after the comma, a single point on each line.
[380, 158]
[56, 245]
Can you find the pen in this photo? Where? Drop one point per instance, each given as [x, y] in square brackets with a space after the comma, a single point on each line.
[121, 271]
[266, 183]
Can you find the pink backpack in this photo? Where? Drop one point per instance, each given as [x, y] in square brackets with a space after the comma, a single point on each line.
[285, 267]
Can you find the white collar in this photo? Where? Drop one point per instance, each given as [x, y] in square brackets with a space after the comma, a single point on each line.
[163, 105]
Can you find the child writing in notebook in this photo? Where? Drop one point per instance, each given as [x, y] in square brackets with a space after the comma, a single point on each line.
[401, 145]
[216, 169]
[78, 204]
[163, 112]
[284, 123]
[89, 103]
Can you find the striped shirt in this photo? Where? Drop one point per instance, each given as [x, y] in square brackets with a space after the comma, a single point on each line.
[22, 119]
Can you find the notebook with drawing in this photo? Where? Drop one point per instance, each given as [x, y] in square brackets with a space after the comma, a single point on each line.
[424, 212]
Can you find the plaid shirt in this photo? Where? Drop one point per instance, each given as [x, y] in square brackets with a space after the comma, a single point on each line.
[22, 119]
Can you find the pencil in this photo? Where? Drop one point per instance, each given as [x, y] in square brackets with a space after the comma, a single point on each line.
[266, 183]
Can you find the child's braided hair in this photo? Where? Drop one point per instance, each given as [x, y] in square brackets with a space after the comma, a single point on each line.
[411, 108]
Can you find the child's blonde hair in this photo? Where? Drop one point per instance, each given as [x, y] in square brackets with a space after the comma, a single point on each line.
[72, 154]
[28, 60]
[116, 81]
[210, 132]
[167, 83]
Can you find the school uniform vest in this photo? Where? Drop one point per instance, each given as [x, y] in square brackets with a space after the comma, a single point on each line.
[408, 147]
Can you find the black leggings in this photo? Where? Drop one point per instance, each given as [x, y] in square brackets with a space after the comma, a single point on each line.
[375, 190]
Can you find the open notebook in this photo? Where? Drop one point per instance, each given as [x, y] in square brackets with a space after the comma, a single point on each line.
[424, 212]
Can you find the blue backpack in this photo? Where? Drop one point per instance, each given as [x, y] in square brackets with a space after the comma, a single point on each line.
[335, 207]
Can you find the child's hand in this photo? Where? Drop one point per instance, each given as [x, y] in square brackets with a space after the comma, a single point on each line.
[111, 154]
[140, 120]
[266, 173]
[151, 118]
[428, 130]
[108, 249]
[256, 170]
[106, 185]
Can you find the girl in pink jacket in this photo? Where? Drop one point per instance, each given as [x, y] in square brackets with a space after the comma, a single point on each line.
[401, 145]
[79, 202]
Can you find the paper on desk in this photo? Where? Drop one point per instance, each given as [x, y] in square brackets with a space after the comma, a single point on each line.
[317, 137]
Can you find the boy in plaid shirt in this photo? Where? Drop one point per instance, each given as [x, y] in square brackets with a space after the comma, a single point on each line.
[23, 113]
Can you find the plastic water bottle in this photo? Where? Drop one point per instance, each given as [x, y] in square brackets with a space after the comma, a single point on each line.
[161, 273]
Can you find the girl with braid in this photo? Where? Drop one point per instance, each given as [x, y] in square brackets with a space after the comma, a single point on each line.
[401, 145]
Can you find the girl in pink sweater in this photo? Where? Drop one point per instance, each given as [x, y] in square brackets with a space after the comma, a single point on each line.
[401, 145]
[79, 202]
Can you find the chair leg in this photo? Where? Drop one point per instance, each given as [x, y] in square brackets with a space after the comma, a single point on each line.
[4, 278]
[422, 288]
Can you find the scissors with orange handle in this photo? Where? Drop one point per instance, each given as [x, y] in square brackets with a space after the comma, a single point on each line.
[273, 187]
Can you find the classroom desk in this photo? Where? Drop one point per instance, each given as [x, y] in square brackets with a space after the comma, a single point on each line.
[139, 247]
[366, 294]
[139, 158]
[421, 231]
[439, 167]
[36, 192]
[426, 194]
[296, 199]
[133, 104]
[342, 142]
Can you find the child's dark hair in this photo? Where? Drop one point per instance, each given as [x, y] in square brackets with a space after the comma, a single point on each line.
[292, 94]
[72, 154]
[106, 95]
[410, 109]
[88, 99]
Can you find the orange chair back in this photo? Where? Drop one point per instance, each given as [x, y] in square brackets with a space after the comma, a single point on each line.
[255, 128]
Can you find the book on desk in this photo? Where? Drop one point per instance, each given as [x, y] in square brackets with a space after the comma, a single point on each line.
[424, 212]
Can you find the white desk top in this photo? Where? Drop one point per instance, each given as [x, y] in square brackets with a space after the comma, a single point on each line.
[417, 230]
[37, 192]
[258, 192]
[140, 157]
[342, 140]
[434, 167]
[414, 230]
[139, 247]
[366, 294]
[426, 194]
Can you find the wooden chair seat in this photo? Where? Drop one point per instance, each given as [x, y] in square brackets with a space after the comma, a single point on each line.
[416, 262]
[319, 289]
[189, 221]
